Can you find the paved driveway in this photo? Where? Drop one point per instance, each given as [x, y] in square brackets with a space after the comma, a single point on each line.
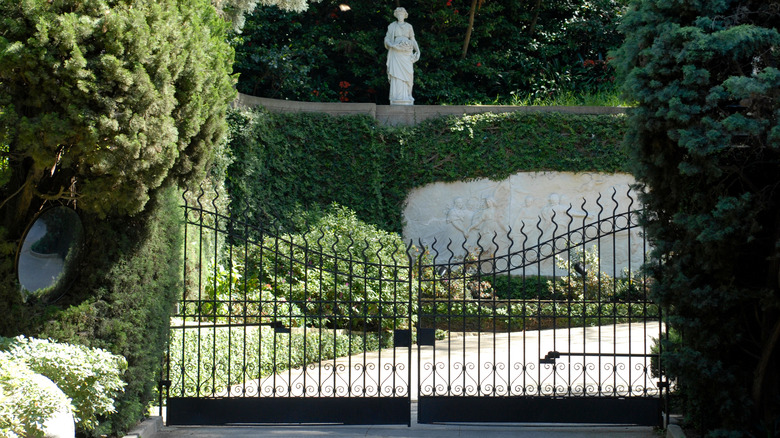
[594, 361]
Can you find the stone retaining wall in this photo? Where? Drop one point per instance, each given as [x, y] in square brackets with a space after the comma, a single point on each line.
[407, 115]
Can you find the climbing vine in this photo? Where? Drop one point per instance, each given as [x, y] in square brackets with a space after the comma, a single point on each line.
[285, 162]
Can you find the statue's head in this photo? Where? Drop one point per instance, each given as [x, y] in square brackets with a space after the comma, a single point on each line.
[400, 13]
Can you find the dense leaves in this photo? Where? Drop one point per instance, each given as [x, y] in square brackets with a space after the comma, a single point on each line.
[517, 47]
[104, 102]
[27, 399]
[105, 105]
[120, 300]
[90, 377]
[706, 142]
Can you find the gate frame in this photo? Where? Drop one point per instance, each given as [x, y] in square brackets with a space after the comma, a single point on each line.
[602, 408]
[381, 409]
[334, 408]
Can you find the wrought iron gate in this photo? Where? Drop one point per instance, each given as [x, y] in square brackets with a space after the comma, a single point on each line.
[286, 327]
[549, 323]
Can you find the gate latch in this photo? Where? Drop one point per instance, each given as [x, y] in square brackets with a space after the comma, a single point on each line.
[550, 357]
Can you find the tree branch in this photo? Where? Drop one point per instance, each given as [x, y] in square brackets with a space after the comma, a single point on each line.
[60, 195]
[537, 6]
[15, 193]
[469, 29]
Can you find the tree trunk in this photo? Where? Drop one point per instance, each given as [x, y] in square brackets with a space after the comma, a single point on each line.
[760, 374]
[762, 385]
[537, 7]
[469, 29]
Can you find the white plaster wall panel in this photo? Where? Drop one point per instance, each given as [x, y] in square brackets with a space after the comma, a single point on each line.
[446, 217]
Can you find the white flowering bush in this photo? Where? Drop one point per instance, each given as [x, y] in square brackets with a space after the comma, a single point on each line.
[90, 377]
[26, 402]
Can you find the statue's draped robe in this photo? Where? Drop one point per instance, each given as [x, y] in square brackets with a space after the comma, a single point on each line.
[400, 71]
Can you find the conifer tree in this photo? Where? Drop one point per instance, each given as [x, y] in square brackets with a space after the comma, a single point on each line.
[706, 143]
[104, 102]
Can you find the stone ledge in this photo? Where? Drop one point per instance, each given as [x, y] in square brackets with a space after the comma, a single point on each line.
[397, 115]
[674, 431]
[146, 429]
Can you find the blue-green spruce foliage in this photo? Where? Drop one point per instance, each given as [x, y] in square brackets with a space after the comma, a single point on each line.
[706, 146]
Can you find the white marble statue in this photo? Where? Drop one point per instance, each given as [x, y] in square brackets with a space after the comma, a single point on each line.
[402, 52]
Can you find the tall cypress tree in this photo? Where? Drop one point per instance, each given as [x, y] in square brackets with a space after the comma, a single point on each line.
[706, 143]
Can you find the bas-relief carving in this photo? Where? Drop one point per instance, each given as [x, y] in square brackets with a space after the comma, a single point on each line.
[453, 218]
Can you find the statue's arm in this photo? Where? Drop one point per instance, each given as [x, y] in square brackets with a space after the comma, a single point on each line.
[389, 40]
[416, 51]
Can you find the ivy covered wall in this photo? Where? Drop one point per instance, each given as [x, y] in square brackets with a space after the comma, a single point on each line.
[283, 162]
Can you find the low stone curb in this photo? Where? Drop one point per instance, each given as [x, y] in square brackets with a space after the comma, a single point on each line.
[146, 429]
[674, 431]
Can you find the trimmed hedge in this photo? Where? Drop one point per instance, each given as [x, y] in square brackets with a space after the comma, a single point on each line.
[283, 162]
[132, 274]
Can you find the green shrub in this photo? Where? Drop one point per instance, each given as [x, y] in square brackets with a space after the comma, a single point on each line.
[461, 298]
[121, 304]
[230, 296]
[25, 402]
[474, 315]
[519, 288]
[91, 378]
[338, 273]
[210, 359]
[594, 285]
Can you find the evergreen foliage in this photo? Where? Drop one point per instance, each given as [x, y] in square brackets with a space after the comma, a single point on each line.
[122, 300]
[104, 102]
[107, 105]
[235, 10]
[706, 145]
[285, 161]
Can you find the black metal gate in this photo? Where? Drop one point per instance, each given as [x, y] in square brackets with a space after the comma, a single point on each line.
[549, 323]
[288, 327]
